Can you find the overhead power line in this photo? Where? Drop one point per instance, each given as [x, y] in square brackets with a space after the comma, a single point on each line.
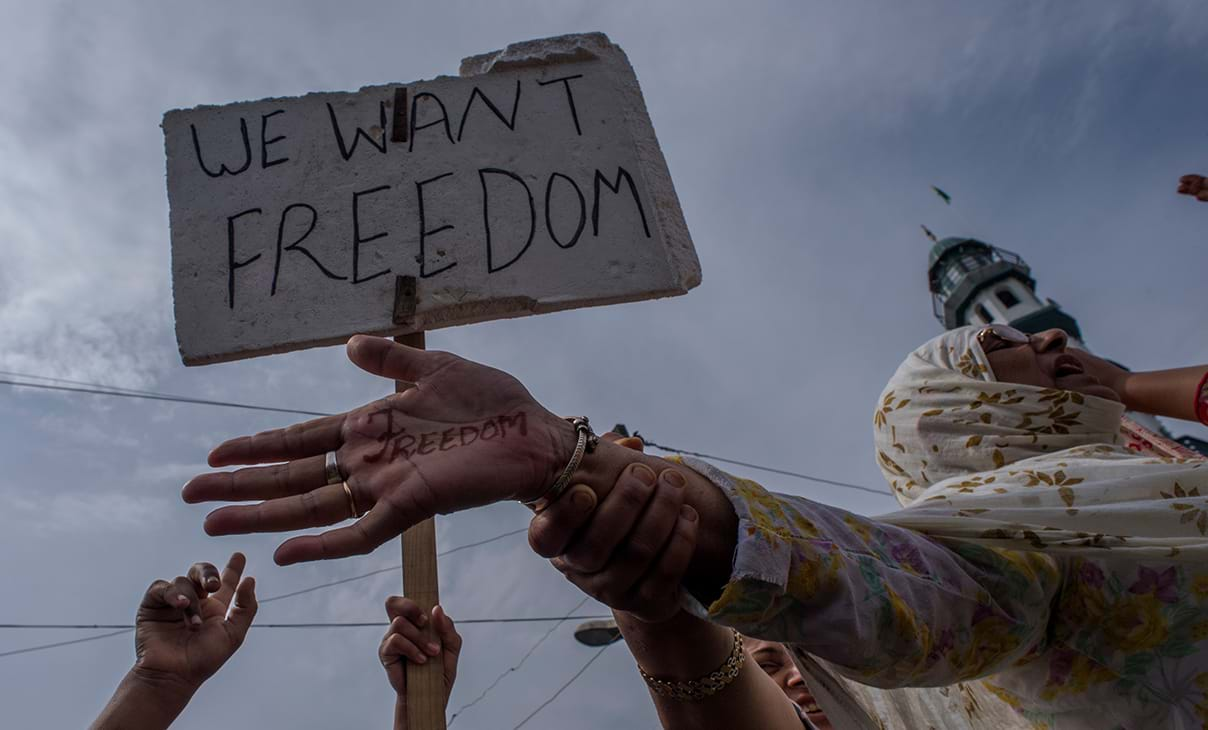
[562, 689]
[799, 475]
[516, 667]
[105, 390]
[69, 642]
[127, 628]
[395, 567]
[69, 381]
[96, 389]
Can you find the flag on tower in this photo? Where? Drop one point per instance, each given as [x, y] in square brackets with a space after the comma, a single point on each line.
[947, 198]
[927, 232]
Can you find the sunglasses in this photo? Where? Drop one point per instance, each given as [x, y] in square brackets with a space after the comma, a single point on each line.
[1000, 336]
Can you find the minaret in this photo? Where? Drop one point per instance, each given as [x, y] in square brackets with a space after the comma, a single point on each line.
[973, 282]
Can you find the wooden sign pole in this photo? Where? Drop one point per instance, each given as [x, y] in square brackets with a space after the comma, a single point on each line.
[425, 682]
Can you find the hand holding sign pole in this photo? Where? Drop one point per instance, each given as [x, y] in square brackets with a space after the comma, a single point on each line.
[531, 183]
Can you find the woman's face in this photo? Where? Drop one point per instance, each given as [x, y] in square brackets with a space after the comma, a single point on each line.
[1044, 362]
[774, 659]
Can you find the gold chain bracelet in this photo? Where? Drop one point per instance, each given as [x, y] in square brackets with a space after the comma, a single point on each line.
[693, 690]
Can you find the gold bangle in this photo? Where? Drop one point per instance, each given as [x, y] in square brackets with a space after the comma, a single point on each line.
[693, 690]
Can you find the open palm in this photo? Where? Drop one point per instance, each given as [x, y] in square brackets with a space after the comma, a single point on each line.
[464, 436]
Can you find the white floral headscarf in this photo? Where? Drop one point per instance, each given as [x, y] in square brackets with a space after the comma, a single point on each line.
[1021, 467]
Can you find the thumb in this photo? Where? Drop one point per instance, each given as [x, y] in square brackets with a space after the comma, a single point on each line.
[388, 359]
[243, 610]
[450, 643]
[450, 640]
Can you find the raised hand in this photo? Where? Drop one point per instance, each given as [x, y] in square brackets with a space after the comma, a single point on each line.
[187, 628]
[466, 435]
[1194, 185]
[404, 642]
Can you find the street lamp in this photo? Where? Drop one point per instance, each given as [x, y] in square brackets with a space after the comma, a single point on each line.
[600, 632]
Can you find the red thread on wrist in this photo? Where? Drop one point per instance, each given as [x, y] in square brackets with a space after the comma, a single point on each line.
[1201, 400]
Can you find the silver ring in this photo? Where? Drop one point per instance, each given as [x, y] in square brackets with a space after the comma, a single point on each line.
[331, 469]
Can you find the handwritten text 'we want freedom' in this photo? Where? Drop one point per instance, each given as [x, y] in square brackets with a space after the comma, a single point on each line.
[514, 207]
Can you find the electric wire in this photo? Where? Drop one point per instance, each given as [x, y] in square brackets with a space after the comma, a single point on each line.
[799, 475]
[397, 566]
[69, 381]
[562, 689]
[95, 389]
[517, 665]
[69, 642]
[105, 390]
[127, 629]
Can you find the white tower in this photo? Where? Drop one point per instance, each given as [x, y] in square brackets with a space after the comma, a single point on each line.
[973, 282]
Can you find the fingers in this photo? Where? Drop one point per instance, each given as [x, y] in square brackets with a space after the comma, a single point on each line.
[317, 508]
[401, 607]
[262, 482]
[230, 579]
[205, 577]
[551, 530]
[184, 597]
[656, 597]
[652, 530]
[161, 595]
[182, 594]
[406, 638]
[592, 549]
[383, 357]
[243, 611]
[359, 538]
[283, 444]
[1191, 185]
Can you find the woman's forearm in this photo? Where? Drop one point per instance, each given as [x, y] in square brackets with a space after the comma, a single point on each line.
[1172, 393]
[143, 702]
[687, 648]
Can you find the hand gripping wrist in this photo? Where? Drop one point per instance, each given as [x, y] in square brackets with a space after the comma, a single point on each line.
[586, 443]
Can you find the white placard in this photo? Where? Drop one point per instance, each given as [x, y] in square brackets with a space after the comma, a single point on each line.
[531, 183]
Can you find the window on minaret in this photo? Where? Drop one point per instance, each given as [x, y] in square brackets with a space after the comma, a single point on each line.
[952, 279]
[982, 314]
[974, 260]
[1007, 298]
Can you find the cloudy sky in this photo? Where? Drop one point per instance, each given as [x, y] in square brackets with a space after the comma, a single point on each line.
[802, 138]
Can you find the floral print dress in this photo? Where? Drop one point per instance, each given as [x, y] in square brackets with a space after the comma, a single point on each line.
[1071, 643]
[1037, 551]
